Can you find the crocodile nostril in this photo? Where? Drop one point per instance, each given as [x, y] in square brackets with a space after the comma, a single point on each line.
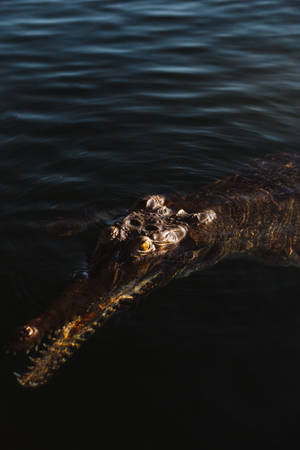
[28, 332]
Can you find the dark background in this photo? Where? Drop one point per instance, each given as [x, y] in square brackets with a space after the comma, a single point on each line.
[104, 101]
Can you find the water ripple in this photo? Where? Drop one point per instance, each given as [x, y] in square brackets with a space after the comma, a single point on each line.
[127, 80]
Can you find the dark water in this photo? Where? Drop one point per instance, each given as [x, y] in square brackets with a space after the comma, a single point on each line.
[104, 101]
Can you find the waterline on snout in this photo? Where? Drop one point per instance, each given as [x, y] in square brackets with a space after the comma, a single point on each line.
[50, 356]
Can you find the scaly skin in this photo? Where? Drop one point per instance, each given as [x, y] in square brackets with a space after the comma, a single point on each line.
[255, 212]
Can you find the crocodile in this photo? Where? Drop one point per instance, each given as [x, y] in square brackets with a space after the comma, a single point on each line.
[254, 212]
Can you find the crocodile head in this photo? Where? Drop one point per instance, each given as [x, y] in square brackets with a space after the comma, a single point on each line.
[142, 251]
[151, 245]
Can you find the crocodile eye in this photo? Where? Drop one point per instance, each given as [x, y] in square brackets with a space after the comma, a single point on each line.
[145, 246]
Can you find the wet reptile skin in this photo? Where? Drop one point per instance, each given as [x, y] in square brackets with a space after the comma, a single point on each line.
[255, 212]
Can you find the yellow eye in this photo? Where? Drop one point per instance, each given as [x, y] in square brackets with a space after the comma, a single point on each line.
[145, 245]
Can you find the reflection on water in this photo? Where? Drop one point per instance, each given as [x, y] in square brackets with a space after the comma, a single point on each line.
[104, 101]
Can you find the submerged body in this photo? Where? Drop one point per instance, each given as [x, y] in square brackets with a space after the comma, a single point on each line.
[255, 213]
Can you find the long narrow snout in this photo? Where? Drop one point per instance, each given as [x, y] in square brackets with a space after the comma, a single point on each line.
[85, 305]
